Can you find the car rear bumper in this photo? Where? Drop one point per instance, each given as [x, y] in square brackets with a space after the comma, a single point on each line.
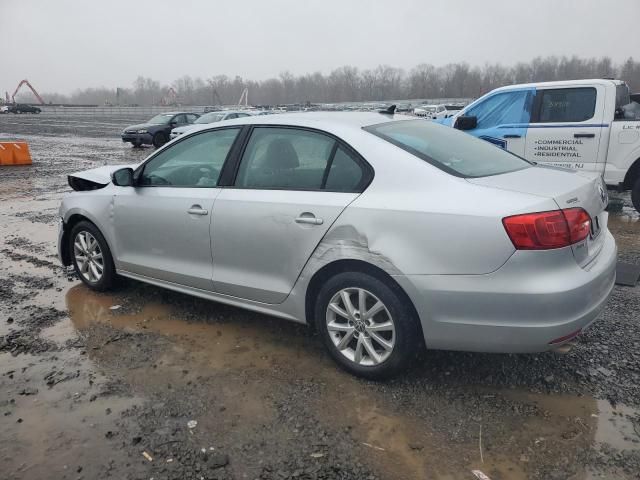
[532, 300]
[142, 138]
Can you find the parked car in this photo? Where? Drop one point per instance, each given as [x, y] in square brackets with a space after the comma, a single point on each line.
[211, 117]
[4, 109]
[586, 125]
[23, 108]
[346, 221]
[156, 131]
[429, 112]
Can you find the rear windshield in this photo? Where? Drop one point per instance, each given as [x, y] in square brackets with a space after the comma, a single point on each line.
[451, 150]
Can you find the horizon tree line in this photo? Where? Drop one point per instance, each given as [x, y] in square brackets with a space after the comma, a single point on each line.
[351, 84]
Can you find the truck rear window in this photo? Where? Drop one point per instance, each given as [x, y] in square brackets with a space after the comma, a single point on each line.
[451, 150]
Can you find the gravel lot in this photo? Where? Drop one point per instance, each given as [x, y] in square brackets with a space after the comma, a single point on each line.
[145, 383]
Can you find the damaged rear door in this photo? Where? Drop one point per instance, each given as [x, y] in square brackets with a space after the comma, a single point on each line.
[291, 185]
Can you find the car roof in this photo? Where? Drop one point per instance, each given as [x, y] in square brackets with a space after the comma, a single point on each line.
[563, 83]
[321, 120]
[337, 123]
[174, 113]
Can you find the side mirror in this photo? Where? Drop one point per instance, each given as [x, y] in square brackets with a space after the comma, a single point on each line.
[466, 123]
[173, 123]
[123, 177]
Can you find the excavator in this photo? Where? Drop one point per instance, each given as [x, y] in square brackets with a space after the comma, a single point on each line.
[12, 99]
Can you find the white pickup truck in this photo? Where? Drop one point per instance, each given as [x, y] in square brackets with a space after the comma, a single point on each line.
[590, 125]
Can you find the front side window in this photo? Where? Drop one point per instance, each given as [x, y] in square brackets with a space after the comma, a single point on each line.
[503, 108]
[448, 149]
[295, 159]
[567, 104]
[195, 161]
[180, 119]
[191, 117]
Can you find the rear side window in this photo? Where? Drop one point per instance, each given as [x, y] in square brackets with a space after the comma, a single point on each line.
[344, 173]
[296, 159]
[566, 104]
[503, 108]
[451, 150]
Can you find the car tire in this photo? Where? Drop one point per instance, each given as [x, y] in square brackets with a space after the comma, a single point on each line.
[395, 325]
[635, 194]
[98, 271]
[159, 139]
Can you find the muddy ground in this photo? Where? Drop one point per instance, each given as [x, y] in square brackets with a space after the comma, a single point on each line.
[145, 383]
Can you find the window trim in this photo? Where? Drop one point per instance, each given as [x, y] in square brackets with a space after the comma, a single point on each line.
[537, 104]
[137, 173]
[367, 170]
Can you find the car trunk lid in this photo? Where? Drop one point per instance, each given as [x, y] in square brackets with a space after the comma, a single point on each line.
[569, 189]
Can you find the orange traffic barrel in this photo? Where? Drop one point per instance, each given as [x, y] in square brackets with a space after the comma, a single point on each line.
[14, 153]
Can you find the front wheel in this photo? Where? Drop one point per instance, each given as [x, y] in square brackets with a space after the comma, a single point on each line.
[366, 325]
[635, 194]
[91, 256]
[159, 139]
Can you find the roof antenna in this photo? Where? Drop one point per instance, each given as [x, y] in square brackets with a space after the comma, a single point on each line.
[388, 111]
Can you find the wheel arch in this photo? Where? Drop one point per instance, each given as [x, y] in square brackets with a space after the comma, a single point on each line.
[352, 265]
[68, 225]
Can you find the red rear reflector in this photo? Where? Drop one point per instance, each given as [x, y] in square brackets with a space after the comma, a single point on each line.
[546, 230]
[566, 337]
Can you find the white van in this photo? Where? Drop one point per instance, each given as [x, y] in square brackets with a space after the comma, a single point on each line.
[587, 125]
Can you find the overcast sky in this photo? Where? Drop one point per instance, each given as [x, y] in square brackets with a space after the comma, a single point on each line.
[61, 45]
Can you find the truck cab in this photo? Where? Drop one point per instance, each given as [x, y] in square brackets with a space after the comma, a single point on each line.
[588, 125]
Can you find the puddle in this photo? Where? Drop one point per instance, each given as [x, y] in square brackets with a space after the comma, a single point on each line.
[249, 340]
[65, 414]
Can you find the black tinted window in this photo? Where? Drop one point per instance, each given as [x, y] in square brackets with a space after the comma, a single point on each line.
[345, 174]
[567, 104]
[448, 149]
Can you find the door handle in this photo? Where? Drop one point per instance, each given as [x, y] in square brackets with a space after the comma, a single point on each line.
[512, 135]
[309, 219]
[197, 210]
[584, 135]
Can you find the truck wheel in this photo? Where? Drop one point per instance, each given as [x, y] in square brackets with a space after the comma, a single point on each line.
[635, 194]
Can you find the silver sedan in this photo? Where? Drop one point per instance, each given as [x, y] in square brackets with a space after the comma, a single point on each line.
[385, 233]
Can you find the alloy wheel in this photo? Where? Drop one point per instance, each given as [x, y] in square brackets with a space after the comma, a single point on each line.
[360, 326]
[88, 256]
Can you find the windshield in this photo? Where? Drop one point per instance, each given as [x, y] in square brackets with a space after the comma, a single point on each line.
[161, 119]
[451, 150]
[210, 117]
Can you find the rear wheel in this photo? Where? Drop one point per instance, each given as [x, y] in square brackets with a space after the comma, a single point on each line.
[635, 194]
[159, 139]
[91, 256]
[366, 325]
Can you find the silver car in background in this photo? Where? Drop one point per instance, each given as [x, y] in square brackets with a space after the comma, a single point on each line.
[385, 233]
[210, 117]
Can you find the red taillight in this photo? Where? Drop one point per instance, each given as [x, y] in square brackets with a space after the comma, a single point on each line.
[546, 230]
